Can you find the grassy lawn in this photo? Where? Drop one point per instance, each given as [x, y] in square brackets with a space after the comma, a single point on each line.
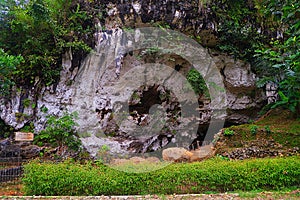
[277, 128]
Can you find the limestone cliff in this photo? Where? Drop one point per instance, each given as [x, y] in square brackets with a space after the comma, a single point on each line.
[93, 89]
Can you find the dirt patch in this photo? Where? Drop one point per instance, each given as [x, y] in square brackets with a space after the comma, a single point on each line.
[14, 188]
[223, 196]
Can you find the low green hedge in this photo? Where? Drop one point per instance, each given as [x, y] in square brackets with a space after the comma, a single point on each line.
[216, 175]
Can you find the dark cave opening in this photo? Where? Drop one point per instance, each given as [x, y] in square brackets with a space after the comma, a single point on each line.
[148, 98]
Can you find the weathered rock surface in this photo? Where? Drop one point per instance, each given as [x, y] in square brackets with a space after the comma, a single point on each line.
[24, 150]
[30, 151]
[204, 152]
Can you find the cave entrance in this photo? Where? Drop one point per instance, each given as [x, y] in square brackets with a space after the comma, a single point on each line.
[155, 102]
[158, 111]
[148, 97]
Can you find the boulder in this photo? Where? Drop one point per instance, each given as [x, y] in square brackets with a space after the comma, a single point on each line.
[176, 154]
[204, 152]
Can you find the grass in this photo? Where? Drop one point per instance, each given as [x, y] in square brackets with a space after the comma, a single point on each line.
[284, 128]
[277, 125]
[143, 167]
[281, 121]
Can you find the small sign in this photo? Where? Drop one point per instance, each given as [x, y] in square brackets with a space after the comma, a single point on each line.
[21, 136]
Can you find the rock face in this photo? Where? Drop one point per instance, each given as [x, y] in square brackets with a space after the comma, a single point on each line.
[100, 87]
[22, 150]
[30, 151]
[243, 98]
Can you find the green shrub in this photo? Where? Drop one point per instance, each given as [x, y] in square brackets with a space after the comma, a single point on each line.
[228, 132]
[197, 82]
[8, 64]
[267, 129]
[41, 31]
[29, 127]
[280, 58]
[253, 129]
[60, 132]
[214, 175]
[5, 130]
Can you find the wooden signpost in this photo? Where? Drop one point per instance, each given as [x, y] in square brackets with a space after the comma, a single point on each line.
[24, 137]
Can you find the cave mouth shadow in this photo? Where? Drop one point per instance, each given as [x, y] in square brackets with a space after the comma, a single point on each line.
[146, 97]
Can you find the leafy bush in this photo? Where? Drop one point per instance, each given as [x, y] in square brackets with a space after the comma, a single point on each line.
[228, 132]
[237, 29]
[197, 82]
[8, 64]
[268, 129]
[265, 33]
[5, 130]
[212, 175]
[60, 132]
[253, 129]
[281, 56]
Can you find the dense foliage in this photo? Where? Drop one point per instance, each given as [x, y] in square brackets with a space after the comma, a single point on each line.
[6, 130]
[197, 82]
[281, 56]
[8, 65]
[265, 33]
[212, 175]
[41, 31]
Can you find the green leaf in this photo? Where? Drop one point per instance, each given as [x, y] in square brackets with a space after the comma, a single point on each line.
[283, 97]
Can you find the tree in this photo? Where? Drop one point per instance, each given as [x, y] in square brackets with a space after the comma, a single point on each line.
[282, 56]
[41, 31]
[60, 132]
[8, 64]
